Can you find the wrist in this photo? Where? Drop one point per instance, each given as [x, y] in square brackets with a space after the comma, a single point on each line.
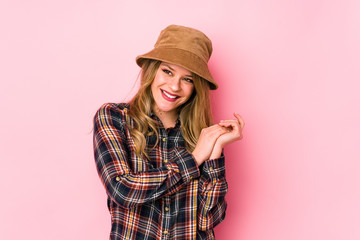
[216, 153]
[196, 158]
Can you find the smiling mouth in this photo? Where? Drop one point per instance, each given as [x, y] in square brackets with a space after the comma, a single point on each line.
[169, 95]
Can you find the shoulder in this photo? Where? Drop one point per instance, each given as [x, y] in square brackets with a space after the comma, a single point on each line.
[113, 107]
[112, 110]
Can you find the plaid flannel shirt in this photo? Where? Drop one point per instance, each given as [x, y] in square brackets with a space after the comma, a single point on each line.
[165, 197]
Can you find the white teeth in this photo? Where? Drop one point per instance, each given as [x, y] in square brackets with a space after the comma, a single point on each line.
[169, 96]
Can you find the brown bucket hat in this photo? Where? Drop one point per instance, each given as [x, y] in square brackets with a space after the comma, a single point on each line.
[183, 46]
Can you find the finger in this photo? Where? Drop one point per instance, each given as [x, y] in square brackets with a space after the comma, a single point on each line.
[239, 118]
[214, 131]
[213, 127]
[221, 130]
[232, 123]
[229, 125]
[230, 120]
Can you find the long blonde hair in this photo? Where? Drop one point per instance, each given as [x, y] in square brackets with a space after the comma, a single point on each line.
[195, 114]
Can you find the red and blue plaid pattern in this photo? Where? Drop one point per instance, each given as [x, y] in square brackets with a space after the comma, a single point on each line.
[163, 197]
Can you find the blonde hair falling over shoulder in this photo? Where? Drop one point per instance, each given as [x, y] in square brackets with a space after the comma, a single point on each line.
[195, 114]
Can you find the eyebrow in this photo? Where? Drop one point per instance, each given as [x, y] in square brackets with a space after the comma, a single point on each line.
[175, 70]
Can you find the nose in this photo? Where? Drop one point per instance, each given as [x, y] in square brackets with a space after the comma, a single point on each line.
[174, 84]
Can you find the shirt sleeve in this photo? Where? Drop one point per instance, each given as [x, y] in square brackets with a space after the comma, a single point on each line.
[123, 186]
[212, 203]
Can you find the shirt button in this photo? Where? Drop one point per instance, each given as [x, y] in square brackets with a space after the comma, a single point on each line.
[166, 232]
[166, 209]
[117, 179]
[165, 161]
[211, 169]
[164, 139]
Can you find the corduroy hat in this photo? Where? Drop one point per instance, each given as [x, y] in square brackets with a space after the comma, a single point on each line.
[183, 46]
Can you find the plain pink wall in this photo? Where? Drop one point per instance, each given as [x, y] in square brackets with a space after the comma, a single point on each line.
[290, 68]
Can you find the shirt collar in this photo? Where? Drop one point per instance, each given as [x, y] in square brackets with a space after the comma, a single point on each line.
[155, 117]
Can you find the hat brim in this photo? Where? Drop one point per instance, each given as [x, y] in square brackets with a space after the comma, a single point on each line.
[183, 58]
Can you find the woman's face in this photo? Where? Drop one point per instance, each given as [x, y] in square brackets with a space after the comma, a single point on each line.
[172, 87]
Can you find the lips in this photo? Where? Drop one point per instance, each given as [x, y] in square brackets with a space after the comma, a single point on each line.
[168, 96]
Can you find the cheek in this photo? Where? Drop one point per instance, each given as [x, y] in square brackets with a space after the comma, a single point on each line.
[155, 84]
[157, 79]
[153, 88]
[190, 90]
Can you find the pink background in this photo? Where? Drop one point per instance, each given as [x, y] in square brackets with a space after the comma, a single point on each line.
[290, 68]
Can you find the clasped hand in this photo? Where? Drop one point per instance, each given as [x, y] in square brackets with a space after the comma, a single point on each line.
[212, 139]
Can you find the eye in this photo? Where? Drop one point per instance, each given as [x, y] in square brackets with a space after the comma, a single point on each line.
[167, 71]
[189, 80]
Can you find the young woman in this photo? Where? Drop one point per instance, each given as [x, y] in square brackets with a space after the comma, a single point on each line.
[159, 156]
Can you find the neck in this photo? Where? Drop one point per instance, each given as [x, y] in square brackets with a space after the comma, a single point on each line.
[168, 119]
